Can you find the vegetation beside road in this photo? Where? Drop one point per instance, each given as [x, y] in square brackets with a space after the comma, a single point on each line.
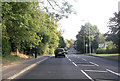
[109, 56]
[90, 40]
[15, 59]
[28, 29]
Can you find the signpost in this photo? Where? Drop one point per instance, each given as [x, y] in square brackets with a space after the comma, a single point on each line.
[86, 47]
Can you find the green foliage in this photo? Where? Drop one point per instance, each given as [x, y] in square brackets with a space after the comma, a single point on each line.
[28, 27]
[6, 47]
[58, 9]
[101, 50]
[110, 48]
[62, 43]
[69, 43]
[114, 30]
[87, 35]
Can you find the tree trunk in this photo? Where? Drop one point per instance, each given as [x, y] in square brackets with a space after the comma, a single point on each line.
[17, 52]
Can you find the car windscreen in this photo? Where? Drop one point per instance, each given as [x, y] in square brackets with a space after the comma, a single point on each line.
[59, 50]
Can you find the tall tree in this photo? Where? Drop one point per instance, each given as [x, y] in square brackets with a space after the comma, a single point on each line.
[87, 36]
[57, 9]
[114, 29]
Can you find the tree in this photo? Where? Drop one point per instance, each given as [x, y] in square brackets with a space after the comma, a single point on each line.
[114, 30]
[27, 27]
[17, 22]
[87, 35]
[62, 43]
[57, 9]
[98, 39]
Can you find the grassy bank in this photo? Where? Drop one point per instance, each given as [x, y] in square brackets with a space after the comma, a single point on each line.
[15, 59]
[109, 56]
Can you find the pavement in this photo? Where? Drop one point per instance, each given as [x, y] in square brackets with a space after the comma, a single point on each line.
[73, 67]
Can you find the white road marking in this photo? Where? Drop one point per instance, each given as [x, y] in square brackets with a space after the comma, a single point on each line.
[66, 56]
[69, 59]
[74, 64]
[84, 59]
[95, 71]
[113, 72]
[87, 65]
[29, 67]
[94, 63]
[87, 75]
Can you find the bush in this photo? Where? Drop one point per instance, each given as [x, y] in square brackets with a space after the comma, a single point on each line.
[111, 51]
[111, 48]
[101, 50]
[78, 52]
[51, 50]
[6, 47]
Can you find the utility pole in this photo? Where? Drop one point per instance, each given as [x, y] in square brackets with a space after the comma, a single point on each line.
[84, 43]
[89, 41]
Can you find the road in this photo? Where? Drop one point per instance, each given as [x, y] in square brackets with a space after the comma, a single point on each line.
[72, 67]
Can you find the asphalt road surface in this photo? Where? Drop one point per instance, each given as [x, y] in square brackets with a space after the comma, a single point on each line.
[72, 67]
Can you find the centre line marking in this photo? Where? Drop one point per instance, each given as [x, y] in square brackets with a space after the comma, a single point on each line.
[113, 72]
[87, 75]
[94, 63]
[29, 67]
[66, 56]
[74, 64]
[69, 59]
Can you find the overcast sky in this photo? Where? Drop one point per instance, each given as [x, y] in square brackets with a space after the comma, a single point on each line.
[97, 12]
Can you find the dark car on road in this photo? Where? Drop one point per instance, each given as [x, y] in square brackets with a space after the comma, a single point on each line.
[59, 52]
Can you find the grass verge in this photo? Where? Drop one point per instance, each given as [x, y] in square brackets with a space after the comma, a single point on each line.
[109, 56]
[14, 59]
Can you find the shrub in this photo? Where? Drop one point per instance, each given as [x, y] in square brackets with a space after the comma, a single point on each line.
[6, 47]
[101, 50]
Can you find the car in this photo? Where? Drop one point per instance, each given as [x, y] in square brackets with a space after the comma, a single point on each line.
[59, 52]
[66, 52]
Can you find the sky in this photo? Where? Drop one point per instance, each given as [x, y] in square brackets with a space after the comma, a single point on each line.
[97, 12]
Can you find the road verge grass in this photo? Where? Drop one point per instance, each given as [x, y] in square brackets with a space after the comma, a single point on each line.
[13, 59]
[108, 56]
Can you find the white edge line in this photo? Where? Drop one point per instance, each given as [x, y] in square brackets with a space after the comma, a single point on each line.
[113, 72]
[86, 75]
[29, 67]
[74, 64]
[94, 63]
